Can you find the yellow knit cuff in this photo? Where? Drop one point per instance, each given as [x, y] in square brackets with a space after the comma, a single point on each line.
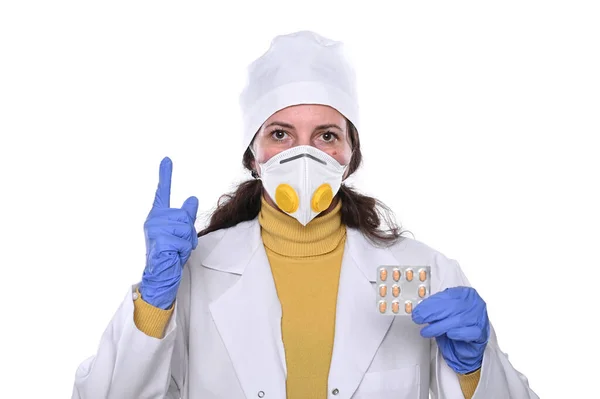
[469, 382]
[150, 320]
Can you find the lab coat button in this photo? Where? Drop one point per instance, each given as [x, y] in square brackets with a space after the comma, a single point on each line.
[335, 391]
[135, 296]
[261, 394]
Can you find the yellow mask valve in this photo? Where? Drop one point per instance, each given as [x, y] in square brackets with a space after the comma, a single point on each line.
[322, 198]
[286, 198]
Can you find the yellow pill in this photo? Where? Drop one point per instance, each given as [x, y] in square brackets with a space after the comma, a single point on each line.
[395, 306]
[422, 291]
[408, 307]
[409, 275]
[382, 306]
[382, 290]
[396, 275]
[383, 274]
[395, 290]
[422, 275]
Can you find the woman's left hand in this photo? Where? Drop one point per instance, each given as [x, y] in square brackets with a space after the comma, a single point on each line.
[459, 322]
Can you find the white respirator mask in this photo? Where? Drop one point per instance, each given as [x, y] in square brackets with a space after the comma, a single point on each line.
[302, 181]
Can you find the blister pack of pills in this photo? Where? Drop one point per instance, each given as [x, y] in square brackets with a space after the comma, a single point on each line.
[401, 288]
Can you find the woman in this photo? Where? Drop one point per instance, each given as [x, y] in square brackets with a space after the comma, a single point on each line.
[276, 298]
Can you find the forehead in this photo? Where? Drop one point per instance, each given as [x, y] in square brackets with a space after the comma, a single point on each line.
[308, 114]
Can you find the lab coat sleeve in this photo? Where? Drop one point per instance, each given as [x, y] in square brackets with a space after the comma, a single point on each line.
[130, 364]
[498, 379]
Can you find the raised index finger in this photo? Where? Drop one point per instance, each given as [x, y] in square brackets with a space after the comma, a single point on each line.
[162, 199]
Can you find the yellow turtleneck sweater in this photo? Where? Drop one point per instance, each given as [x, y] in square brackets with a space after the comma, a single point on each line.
[305, 262]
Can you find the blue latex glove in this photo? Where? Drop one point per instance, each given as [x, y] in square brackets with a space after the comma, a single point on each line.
[459, 322]
[170, 239]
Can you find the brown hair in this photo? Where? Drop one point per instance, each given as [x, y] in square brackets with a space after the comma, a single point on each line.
[358, 211]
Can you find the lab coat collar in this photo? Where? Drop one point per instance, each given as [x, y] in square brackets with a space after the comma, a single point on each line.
[248, 314]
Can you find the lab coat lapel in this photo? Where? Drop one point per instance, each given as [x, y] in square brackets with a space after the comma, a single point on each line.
[248, 318]
[359, 328]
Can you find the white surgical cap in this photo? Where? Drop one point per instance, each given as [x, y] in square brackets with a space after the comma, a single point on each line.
[298, 68]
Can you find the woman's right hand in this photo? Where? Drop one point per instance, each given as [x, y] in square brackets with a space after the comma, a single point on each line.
[170, 239]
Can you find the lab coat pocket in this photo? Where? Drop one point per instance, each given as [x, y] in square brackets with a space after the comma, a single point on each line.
[402, 383]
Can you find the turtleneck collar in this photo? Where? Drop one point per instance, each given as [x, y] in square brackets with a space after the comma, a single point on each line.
[286, 236]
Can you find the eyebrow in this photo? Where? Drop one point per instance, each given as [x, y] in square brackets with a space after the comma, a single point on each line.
[320, 127]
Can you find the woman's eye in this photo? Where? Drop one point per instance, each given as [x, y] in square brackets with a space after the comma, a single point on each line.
[329, 136]
[278, 134]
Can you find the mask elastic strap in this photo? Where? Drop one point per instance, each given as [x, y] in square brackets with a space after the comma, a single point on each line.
[254, 173]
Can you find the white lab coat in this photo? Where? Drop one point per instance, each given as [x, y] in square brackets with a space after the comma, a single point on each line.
[224, 338]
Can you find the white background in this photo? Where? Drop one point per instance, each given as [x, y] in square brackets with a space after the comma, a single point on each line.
[480, 129]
